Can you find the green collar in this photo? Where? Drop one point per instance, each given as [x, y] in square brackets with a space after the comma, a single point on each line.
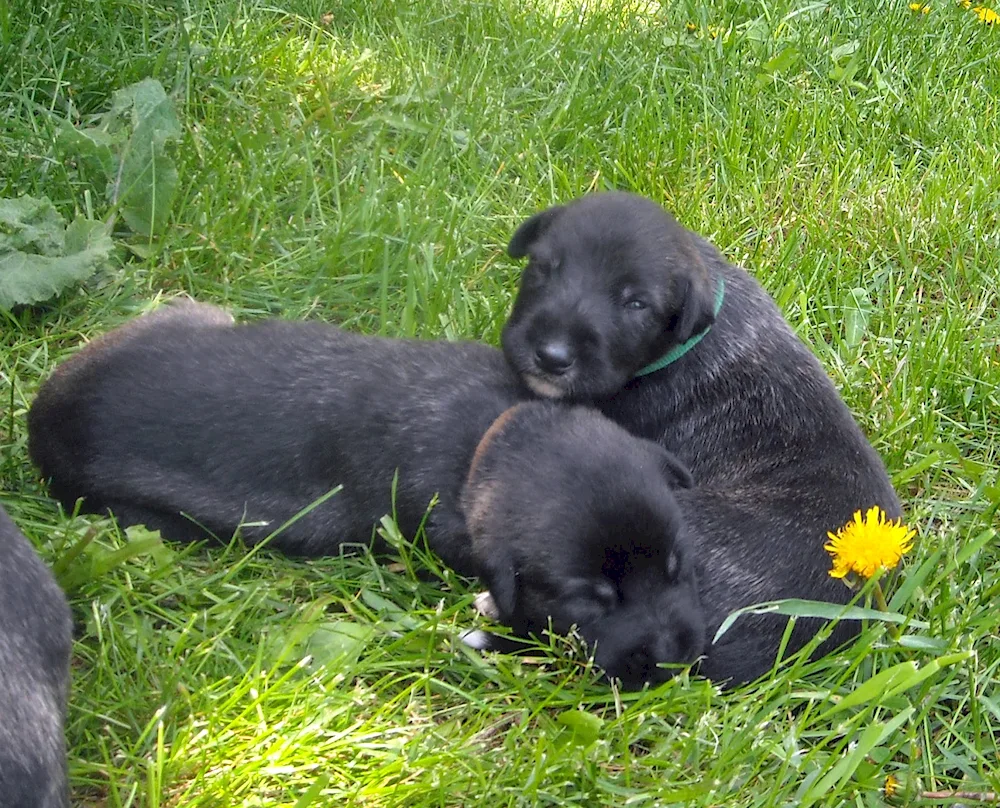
[678, 351]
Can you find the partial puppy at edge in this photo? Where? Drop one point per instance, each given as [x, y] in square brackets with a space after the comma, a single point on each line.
[35, 644]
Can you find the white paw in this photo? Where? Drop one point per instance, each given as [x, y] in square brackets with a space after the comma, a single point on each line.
[485, 605]
[475, 638]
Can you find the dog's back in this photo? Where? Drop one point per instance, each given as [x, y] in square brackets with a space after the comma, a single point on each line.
[35, 639]
[56, 420]
[194, 426]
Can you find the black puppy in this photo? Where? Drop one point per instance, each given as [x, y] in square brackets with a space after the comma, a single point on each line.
[188, 423]
[35, 640]
[182, 413]
[574, 521]
[621, 306]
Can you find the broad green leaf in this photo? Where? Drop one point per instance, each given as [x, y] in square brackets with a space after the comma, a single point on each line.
[39, 256]
[130, 144]
[795, 607]
[32, 225]
[842, 51]
[327, 642]
[586, 726]
[92, 145]
[148, 178]
[129, 147]
[149, 182]
[894, 680]
[338, 642]
[857, 311]
[784, 60]
[147, 102]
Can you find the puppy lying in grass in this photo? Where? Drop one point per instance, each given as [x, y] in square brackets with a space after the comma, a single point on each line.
[195, 426]
[574, 522]
[192, 425]
[622, 307]
[35, 642]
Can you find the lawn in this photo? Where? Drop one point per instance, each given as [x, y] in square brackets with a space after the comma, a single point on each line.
[365, 162]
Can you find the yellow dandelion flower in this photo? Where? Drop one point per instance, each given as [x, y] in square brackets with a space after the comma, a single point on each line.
[891, 787]
[921, 8]
[692, 27]
[867, 545]
[987, 16]
[965, 3]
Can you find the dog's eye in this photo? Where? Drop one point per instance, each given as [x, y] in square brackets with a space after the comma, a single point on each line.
[673, 567]
[636, 304]
[537, 272]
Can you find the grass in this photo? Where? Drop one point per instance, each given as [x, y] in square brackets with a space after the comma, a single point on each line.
[365, 163]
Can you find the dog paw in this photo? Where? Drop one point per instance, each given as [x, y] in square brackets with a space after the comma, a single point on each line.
[475, 638]
[485, 605]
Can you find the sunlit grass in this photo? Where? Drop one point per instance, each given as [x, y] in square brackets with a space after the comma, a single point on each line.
[365, 163]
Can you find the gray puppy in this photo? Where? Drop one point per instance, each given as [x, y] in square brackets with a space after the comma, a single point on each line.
[574, 521]
[188, 423]
[622, 307]
[35, 642]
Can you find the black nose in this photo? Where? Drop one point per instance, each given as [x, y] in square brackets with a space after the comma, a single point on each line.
[554, 357]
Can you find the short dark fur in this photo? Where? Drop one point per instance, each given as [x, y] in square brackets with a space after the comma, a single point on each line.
[181, 413]
[573, 520]
[184, 412]
[612, 284]
[35, 640]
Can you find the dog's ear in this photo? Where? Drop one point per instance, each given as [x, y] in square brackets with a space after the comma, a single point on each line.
[674, 471]
[501, 578]
[531, 230]
[695, 297]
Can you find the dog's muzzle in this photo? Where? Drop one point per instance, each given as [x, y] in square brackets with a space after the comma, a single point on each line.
[542, 386]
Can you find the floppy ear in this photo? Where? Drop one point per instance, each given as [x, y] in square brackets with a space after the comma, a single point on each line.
[501, 579]
[676, 473]
[695, 296]
[531, 230]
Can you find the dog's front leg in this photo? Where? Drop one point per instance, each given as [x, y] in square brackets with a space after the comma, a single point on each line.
[449, 537]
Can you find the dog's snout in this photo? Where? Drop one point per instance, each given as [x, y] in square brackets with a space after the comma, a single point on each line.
[641, 660]
[554, 356]
[688, 644]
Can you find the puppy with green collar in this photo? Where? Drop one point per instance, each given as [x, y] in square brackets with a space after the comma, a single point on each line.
[622, 308]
